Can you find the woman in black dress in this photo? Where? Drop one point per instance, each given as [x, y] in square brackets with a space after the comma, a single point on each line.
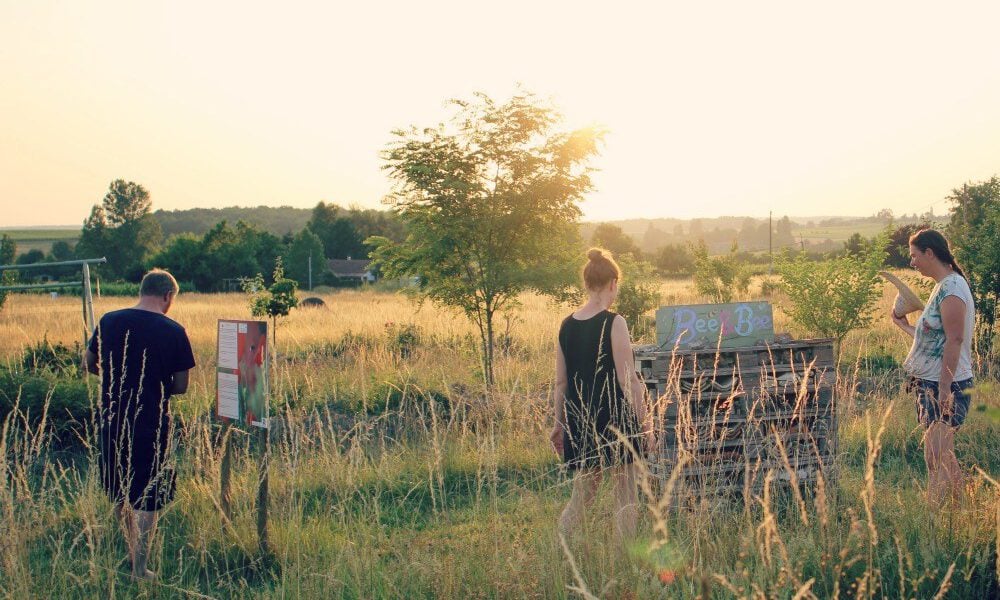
[601, 418]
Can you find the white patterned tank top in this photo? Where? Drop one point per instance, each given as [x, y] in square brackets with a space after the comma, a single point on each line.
[924, 359]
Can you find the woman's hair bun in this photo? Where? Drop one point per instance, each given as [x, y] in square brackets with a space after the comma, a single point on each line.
[600, 269]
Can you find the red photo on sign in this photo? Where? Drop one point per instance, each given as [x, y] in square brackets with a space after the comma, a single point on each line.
[242, 392]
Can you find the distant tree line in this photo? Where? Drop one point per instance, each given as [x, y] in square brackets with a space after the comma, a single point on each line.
[277, 220]
[212, 255]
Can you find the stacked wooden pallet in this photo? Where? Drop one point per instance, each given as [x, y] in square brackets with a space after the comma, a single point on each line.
[732, 415]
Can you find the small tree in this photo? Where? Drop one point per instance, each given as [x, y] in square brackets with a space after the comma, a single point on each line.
[898, 247]
[305, 249]
[8, 250]
[614, 239]
[490, 202]
[832, 297]
[275, 301]
[674, 259]
[856, 244]
[719, 277]
[123, 229]
[638, 293]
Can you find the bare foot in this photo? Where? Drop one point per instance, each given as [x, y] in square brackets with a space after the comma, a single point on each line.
[147, 576]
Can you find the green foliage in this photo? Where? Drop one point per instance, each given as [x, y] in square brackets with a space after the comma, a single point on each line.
[972, 232]
[832, 297]
[31, 257]
[61, 250]
[898, 246]
[336, 232]
[638, 293]
[719, 277]
[612, 238]
[856, 244]
[305, 245]
[674, 259]
[276, 220]
[879, 362]
[276, 300]
[47, 386]
[8, 249]
[768, 287]
[57, 358]
[122, 229]
[224, 252]
[490, 202]
[403, 338]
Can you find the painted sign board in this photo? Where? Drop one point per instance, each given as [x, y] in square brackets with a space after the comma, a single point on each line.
[241, 372]
[735, 325]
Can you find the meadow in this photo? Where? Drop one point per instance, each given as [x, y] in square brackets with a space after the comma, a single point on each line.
[394, 474]
[41, 239]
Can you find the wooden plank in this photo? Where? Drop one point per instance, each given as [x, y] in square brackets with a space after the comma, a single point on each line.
[692, 469]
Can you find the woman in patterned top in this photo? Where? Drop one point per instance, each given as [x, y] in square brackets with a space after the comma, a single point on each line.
[940, 359]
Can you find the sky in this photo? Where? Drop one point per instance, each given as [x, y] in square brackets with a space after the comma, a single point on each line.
[712, 108]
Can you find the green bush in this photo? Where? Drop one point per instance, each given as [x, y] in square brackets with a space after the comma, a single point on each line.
[58, 358]
[769, 287]
[403, 338]
[832, 297]
[638, 293]
[720, 277]
[68, 412]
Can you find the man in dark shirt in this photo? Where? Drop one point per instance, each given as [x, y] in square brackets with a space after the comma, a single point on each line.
[143, 358]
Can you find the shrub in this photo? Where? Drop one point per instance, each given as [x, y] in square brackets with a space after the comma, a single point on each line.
[638, 293]
[719, 277]
[403, 338]
[769, 287]
[832, 297]
[58, 358]
[69, 408]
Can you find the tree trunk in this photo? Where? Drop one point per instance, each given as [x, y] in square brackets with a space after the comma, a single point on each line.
[488, 349]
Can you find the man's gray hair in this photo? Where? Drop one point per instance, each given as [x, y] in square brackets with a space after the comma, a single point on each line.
[158, 283]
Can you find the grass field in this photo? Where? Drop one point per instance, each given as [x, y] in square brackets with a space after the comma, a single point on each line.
[41, 239]
[395, 476]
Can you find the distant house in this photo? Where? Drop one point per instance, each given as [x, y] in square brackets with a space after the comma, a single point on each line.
[352, 270]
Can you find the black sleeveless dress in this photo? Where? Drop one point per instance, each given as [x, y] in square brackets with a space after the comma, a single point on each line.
[595, 405]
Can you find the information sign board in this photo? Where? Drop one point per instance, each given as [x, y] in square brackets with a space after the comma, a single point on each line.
[241, 372]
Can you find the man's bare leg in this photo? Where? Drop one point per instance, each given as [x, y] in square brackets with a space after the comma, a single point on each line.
[145, 523]
[125, 520]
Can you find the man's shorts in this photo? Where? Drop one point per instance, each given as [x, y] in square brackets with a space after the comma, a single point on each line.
[929, 409]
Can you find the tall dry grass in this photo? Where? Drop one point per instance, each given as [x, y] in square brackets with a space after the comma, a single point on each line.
[394, 475]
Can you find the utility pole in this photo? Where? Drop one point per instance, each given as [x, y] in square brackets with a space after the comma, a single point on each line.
[310, 271]
[770, 247]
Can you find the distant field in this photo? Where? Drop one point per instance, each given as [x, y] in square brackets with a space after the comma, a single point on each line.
[40, 239]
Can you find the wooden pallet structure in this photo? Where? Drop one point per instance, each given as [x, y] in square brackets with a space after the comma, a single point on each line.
[733, 415]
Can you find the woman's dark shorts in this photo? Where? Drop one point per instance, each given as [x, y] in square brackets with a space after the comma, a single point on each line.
[929, 409]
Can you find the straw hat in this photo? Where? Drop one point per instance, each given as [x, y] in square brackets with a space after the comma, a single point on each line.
[906, 300]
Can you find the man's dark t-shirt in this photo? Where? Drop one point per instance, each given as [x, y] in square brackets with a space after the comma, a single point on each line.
[139, 351]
